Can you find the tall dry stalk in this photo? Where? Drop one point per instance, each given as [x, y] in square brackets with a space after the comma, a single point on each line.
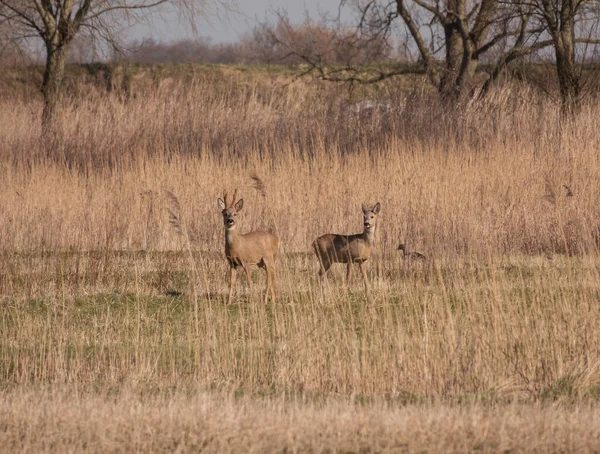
[509, 309]
[176, 221]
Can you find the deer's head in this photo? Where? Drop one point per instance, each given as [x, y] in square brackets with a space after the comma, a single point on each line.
[370, 216]
[229, 209]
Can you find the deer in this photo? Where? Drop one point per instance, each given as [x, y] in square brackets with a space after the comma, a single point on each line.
[244, 250]
[333, 248]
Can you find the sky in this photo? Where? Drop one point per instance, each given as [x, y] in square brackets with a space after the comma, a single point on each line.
[228, 25]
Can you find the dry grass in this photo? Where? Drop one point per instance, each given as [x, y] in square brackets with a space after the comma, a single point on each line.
[53, 421]
[466, 351]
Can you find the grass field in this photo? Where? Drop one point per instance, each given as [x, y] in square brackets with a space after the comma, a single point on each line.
[115, 331]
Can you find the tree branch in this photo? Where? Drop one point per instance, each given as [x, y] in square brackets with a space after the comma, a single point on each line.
[126, 7]
[423, 50]
[433, 10]
[27, 21]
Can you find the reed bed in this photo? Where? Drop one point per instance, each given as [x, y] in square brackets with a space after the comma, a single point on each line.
[111, 310]
[210, 423]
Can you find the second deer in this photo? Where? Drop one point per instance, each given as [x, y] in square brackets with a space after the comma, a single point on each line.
[253, 248]
[333, 248]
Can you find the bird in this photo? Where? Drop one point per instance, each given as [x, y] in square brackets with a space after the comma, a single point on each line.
[569, 192]
[410, 255]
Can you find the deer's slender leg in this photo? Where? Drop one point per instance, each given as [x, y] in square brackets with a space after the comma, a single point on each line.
[270, 269]
[363, 270]
[324, 262]
[324, 266]
[232, 276]
[348, 272]
[273, 280]
[247, 271]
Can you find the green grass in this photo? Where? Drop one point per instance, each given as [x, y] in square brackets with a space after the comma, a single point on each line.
[483, 326]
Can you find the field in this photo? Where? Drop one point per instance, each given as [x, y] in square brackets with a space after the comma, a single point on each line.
[116, 335]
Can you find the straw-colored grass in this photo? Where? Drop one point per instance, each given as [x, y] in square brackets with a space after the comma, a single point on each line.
[59, 421]
[115, 331]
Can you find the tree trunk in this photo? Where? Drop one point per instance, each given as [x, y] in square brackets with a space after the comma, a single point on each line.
[449, 88]
[459, 71]
[564, 48]
[568, 77]
[56, 57]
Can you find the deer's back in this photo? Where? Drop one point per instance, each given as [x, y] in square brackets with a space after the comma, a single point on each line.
[342, 248]
[253, 247]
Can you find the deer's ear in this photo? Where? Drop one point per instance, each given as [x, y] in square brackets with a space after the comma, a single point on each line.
[221, 204]
[365, 208]
[239, 205]
[376, 208]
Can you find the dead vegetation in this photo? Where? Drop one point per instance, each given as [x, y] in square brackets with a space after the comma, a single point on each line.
[108, 297]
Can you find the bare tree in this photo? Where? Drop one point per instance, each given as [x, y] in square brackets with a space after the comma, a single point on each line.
[57, 22]
[567, 25]
[11, 53]
[318, 43]
[450, 38]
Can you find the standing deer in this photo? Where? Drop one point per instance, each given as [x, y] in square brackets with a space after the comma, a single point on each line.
[253, 248]
[332, 248]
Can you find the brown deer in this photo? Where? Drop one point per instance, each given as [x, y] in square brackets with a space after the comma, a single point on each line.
[332, 248]
[253, 248]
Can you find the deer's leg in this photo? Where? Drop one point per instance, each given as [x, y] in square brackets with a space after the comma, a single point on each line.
[363, 270]
[324, 262]
[247, 271]
[268, 271]
[348, 272]
[232, 276]
[325, 265]
[268, 266]
[272, 273]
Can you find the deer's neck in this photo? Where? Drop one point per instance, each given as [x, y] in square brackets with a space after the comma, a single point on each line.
[369, 235]
[231, 236]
